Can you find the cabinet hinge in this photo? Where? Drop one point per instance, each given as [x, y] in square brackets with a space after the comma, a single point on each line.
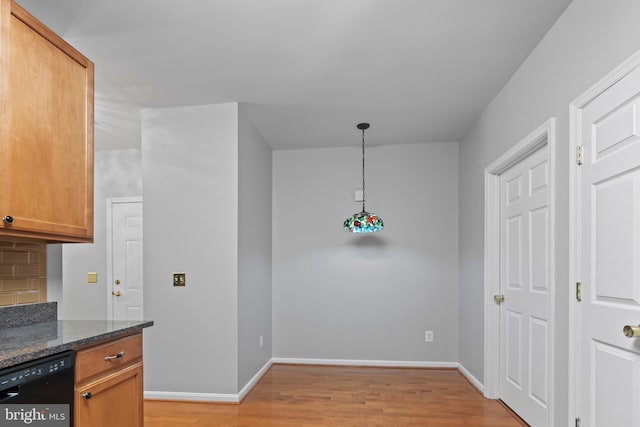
[579, 291]
[579, 155]
[578, 422]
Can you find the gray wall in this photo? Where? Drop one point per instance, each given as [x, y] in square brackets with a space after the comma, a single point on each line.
[591, 38]
[54, 276]
[338, 295]
[117, 173]
[190, 173]
[202, 165]
[254, 250]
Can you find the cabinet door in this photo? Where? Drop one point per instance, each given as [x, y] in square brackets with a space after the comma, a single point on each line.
[112, 400]
[47, 141]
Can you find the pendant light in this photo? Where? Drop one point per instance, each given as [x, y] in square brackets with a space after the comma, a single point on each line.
[363, 221]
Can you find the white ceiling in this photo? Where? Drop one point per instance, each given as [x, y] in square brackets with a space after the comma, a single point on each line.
[308, 70]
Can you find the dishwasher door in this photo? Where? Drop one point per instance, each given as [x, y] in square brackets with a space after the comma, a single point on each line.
[46, 381]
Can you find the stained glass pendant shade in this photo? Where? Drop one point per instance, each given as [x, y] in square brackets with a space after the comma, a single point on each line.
[363, 221]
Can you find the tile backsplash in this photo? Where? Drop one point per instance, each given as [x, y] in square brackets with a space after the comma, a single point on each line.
[23, 272]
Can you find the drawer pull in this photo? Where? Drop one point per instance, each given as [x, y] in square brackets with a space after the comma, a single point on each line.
[117, 356]
[87, 395]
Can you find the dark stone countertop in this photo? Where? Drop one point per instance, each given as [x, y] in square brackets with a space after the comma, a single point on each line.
[28, 314]
[29, 342]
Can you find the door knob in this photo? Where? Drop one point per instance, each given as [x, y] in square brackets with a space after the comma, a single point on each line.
[631, 331]
[116, 293]
[499, 299]
[8, 219]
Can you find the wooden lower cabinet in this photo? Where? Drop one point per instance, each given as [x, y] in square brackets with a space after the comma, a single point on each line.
[114, 400]
[109, 384]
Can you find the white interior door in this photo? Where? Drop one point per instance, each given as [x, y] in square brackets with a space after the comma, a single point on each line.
[125, 250]
[524, 283]
[608, 256]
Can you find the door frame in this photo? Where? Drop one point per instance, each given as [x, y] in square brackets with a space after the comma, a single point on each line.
[110, 202]
[575, 117]
[544, 135]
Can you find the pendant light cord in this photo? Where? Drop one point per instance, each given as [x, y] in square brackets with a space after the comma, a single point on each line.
[363, 192]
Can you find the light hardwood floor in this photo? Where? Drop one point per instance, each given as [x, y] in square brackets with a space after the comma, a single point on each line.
[307, 396]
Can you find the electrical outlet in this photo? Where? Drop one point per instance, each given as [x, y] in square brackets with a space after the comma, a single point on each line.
[428, 336]
[261, 341]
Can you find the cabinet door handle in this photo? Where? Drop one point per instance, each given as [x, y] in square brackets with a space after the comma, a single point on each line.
[116, 356]
[8, 219]
[87, 395]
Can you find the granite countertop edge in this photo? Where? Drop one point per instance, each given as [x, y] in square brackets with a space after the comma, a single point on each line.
[15, 356]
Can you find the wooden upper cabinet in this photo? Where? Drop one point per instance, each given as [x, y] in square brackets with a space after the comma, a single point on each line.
[46, 131]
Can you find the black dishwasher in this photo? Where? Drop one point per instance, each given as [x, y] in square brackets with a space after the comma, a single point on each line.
[46, 381]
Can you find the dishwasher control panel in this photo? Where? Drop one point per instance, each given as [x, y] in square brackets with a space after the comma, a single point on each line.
[20, 374]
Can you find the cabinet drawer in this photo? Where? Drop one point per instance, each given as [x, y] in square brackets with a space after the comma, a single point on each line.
[108, 356]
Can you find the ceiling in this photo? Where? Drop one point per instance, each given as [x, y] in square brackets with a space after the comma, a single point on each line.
[307, 70]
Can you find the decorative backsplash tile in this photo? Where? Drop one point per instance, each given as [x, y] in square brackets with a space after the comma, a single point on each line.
[23, 272]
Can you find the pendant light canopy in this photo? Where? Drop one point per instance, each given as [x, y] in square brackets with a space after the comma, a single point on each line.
[363, 221]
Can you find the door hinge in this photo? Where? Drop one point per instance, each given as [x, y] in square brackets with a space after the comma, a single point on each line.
[579, 155]
[578, 422]
[579, 291]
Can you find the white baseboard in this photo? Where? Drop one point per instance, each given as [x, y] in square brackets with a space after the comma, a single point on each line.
[473, 380]
[358, 362]
[210, 397]
[383, 363]
[237, 398]
[253, 381]
[192, 397]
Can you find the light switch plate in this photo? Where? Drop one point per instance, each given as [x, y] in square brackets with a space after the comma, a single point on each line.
[359, 196]
[92, 277]
[179, 279]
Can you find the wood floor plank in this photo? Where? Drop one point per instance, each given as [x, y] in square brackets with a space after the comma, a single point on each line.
[312, 396]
